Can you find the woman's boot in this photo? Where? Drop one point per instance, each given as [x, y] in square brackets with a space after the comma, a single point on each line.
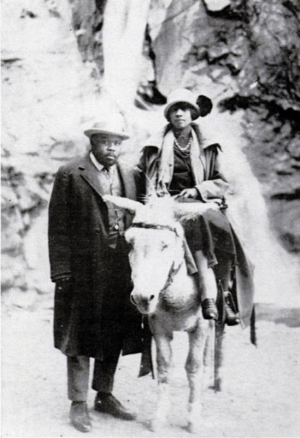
[231, 317]
[223, 274]
[207, 287]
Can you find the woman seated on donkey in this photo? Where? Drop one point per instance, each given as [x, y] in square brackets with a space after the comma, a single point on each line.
[178, 162]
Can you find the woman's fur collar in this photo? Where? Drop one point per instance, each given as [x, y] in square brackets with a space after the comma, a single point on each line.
[156, 140]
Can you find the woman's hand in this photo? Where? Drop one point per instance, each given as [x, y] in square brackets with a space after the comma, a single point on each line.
[187, 193]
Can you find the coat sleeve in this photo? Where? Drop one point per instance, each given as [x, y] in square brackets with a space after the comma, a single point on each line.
[59, 228]
[215, 185]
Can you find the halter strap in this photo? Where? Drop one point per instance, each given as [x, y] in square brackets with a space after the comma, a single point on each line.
[153, 227]
[171, 276]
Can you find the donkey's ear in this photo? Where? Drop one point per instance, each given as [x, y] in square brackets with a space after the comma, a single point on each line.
[123, 203]
[190, 210]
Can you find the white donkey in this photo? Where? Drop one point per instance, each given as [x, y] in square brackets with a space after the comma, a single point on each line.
[164, 291]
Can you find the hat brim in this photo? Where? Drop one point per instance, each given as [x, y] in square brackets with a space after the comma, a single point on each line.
[169, 106]
[90, 132]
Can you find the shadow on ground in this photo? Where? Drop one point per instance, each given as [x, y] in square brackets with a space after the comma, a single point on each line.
[270, 312]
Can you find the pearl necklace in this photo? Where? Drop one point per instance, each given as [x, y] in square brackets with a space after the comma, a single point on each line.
[186, 147]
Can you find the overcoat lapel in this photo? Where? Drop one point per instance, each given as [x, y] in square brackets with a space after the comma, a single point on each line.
[90, 174]
[129, 184]
[127, 177]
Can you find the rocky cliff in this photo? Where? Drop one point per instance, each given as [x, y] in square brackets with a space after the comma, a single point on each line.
[244, 54]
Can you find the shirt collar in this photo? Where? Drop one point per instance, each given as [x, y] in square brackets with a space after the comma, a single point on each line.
[98, 165]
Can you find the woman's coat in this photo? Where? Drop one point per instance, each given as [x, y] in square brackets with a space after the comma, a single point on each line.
[156, 167]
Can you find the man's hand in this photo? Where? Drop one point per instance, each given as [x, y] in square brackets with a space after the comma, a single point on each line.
[187, 193]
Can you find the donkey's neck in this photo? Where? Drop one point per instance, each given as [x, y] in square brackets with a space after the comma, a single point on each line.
[181, 295]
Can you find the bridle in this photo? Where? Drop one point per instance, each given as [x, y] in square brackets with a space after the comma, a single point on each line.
[154, 227]
[173, 271]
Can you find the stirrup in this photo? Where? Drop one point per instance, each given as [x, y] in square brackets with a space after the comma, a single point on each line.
[231, 318]
[209, 309]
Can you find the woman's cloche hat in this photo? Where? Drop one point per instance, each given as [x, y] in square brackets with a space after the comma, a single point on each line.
[111, 125]
[201, 105]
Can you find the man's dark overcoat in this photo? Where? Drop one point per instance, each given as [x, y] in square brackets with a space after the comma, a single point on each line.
[78, 247]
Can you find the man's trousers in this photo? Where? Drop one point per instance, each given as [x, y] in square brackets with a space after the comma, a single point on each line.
[115, 295]
[103, 377]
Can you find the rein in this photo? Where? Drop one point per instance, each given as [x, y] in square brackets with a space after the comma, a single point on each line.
[153, 227]
[171, 276]
[172, 271]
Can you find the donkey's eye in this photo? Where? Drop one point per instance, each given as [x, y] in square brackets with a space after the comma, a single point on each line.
[129, 241]
[164, 246]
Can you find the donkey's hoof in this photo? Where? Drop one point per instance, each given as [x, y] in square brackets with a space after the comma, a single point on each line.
[156, 425]
[197, 426]
[194, 417]
[192, 428]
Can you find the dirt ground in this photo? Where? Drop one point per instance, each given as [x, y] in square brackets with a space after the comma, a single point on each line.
[260, 395]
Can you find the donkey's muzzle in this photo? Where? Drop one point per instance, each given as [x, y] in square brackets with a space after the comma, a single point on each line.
[133, 300]
[143, 303]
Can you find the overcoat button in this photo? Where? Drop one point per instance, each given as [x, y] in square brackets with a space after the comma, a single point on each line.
[116, 227]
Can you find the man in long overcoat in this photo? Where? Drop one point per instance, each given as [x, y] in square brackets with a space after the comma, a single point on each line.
[93, 316]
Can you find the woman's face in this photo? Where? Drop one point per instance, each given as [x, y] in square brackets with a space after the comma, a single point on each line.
[180, 115]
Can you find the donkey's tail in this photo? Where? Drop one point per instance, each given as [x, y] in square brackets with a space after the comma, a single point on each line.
[253, 336]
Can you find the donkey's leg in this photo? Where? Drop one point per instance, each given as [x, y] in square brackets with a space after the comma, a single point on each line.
[164, 360]
[194, 368]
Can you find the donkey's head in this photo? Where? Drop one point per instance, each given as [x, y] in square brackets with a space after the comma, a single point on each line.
[157, 251]
[156, 240]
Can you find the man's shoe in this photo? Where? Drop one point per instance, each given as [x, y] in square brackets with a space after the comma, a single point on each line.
[231, 318]
[79, 416]
[209, 309]
[108, 404]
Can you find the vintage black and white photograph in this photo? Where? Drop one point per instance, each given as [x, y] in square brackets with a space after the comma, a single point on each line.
[150, 218]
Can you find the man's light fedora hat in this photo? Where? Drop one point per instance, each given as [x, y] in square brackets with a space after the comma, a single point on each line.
[113, 125]
[201, 104]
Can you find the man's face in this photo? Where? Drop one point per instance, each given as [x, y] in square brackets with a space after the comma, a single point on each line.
[180, 115]
[106, 148]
